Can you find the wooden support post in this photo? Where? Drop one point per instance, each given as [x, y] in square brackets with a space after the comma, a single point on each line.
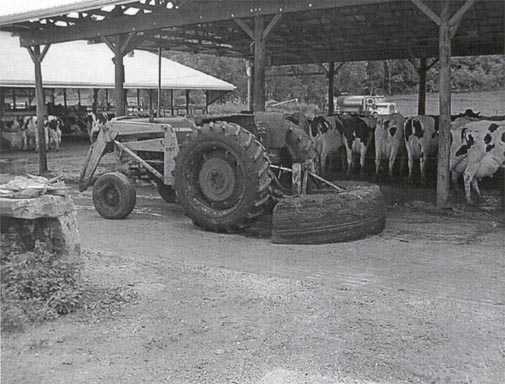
[37, 56]
[120, 46]
[94, 106]
[445, 106]
[172, 112]
[331, 85]
[250, 84]
[2, 102]
[187, 102]
[259, 64]
[206, 102]
[447, 29]
[119, 102]
[13, 99]
[159, 82]
[138, 99]
[106, 99]
[79, 97]
[53, 98]
[150, 103]
[65, 97]
[422, 72]
[503, 191]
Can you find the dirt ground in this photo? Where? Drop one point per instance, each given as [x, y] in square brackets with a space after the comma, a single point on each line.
[424, 302]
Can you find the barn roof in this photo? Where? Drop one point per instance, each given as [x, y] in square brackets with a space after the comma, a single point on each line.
[80, 65]
[309, 31]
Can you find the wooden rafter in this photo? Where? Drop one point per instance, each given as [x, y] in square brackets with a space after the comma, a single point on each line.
[245, 27]
[271, 25]
[427, 11]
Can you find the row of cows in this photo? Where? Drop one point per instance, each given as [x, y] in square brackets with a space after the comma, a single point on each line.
[477, 143]
[21, 134]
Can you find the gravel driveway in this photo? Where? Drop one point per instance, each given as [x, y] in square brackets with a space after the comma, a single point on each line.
[424, 302]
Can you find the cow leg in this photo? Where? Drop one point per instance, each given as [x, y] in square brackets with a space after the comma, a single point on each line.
[322, 165]
[468, 178]
[392, 158]
[475, 185]
[410, 162]
[422, 167]
[362, 157]
[46, 136]
[454, 180]
[349, 160]
[377, 160]
[24, 141]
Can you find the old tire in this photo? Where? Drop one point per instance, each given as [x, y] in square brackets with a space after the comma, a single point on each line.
[222, 177]
[114, 195]
[167, 193]
[329, 217]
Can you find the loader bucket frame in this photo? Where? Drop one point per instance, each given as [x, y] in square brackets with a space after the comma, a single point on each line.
[97, 149]
[129, 136]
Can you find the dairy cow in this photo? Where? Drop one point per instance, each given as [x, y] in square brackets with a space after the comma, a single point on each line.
[477, 151]
[52, 132]
[421, 142]
[357, 134]
[13, 137]
[96, 121]
[54, 126]
[326, 133]
[389, 134]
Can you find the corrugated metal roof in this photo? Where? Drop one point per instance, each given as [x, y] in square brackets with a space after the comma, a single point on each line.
[81, 65]
[20, 11]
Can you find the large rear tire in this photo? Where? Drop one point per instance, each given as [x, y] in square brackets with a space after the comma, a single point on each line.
[329, 217]
[114, 196]
[222, 177]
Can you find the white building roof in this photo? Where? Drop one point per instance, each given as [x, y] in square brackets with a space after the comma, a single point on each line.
[78, 64]
[24, 10]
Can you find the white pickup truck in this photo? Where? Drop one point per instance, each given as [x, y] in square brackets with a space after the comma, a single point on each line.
[365, 104]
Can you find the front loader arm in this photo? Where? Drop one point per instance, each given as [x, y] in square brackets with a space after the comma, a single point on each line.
[95, 153]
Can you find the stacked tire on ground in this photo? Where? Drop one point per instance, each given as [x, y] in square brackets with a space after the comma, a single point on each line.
[329, 217]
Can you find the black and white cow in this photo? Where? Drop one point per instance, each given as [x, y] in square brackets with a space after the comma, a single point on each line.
[477, 151]
[96, 121]
[52, 132]
[389, 139]
[421, 141]
[327, 136]
[357, 135]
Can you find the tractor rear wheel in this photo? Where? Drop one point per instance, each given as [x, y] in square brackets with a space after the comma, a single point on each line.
[222, 177]
[114, 196]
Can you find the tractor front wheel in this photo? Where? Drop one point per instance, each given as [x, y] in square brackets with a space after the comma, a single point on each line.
[222, 177]
[114, 195]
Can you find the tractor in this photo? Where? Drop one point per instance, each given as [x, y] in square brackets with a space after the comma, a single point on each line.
[219, 168]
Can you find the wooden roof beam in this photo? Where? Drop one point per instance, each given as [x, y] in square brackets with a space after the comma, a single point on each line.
[427, 11]
[192, 12]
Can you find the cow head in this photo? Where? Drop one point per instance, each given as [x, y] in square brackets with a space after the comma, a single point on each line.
[54, 123]
[98, 121]
[319, 126]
